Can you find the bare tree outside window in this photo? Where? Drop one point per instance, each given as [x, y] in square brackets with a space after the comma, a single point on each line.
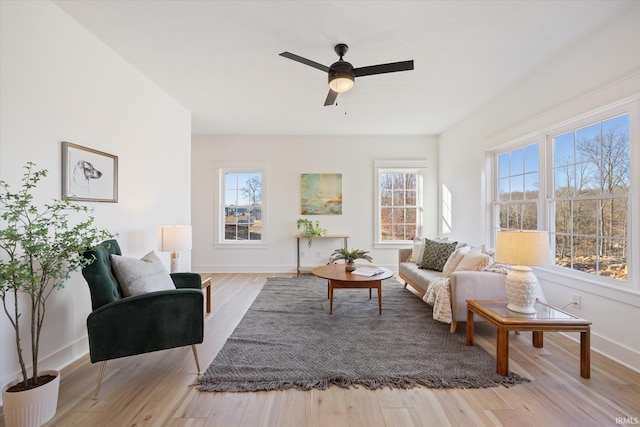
[253, 190]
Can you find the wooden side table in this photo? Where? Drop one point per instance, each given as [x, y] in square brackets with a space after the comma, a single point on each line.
[206, 284]
[546, 318]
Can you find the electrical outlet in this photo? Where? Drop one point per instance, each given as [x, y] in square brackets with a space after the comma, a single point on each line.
[577, 301]
[318, 254]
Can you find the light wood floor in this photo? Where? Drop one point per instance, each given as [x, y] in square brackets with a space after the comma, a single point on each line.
[156, 389]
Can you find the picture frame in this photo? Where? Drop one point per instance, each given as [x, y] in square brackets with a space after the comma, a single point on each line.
[321, 194]
[88, 175]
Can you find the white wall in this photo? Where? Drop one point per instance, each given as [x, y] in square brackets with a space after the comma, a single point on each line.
[600, 70]
[288, 157]
[59, 83]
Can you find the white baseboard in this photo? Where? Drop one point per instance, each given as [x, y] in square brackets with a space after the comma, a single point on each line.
[612, 350]
[283, 269]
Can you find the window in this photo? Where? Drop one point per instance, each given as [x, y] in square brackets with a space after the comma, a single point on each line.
[399, 204]
[242, 205]
[590, 201]
[518, 188]
[585, 197]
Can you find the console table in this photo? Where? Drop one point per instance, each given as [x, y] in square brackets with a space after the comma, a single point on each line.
[344, 237]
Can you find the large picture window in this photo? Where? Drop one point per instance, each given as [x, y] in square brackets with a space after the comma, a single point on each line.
[584, 201]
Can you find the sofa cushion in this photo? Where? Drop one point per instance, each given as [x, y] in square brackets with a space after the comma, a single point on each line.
[454, 260]
[436, 254]
[416, 248]
[475, 260]
[418, 278]
[139, 276]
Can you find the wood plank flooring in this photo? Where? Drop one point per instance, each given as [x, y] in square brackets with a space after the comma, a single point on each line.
[157, 389]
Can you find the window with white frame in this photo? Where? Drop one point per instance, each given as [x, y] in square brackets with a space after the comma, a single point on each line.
[584, 202]
[590, 200]
[242, 205]
[518, 185]
[399, 201]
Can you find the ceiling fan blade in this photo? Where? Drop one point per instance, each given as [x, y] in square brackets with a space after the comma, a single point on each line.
[305, 61]
[331, 98]
[392, 67]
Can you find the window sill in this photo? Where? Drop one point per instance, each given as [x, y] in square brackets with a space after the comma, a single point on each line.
[400, 244]
[623, 292]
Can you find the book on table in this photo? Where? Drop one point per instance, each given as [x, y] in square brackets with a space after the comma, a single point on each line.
[367, 271]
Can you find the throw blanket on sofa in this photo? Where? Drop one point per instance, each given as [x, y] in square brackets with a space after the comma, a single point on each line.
[438, 295]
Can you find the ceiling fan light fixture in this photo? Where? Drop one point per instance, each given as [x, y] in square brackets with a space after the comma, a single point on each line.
[341, 82]
[341, 74]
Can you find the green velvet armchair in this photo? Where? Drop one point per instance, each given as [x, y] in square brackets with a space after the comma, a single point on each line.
[122, 326]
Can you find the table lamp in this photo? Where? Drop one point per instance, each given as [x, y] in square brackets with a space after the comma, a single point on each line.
[175, 238]
[522, 249]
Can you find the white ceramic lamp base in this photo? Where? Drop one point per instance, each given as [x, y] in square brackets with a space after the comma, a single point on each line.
[522, 290]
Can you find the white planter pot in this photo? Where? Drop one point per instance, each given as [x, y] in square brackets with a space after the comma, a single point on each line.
[31, 408]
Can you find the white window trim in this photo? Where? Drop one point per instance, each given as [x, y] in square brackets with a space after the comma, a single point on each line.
[418, 166]
[220, 169]
[544, 137]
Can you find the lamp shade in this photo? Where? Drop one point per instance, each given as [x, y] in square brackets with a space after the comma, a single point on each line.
[175, 238]
[521, 247]
[341, 82]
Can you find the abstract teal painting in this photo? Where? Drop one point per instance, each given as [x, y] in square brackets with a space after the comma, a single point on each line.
[321, 194]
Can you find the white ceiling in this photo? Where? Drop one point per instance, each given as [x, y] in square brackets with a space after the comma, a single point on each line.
[220, 58]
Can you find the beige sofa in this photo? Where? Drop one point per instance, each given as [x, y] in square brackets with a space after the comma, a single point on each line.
[464, 285]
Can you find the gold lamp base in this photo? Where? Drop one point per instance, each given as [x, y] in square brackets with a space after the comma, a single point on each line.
[175, 261]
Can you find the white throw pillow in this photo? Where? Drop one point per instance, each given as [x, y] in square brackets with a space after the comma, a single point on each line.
[139, 276]
[415, 250]
[454, 260]
[475, 260]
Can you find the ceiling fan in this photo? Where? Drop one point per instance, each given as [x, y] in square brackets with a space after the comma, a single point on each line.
[342, 74]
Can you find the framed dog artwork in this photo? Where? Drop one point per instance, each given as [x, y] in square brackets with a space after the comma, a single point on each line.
[88, 175]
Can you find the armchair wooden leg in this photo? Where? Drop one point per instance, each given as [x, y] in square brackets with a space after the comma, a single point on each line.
[103, 365]
[195, 356]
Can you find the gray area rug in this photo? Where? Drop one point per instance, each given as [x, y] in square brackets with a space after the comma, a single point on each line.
[287, 339]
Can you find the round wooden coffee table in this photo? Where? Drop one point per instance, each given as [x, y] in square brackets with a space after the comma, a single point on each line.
[339, 279]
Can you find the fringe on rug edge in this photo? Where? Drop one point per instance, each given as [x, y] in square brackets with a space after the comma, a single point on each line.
[369, 383]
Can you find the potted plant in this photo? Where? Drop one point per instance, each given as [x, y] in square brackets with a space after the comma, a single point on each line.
[349, 256]
[311, 230]
[40, 245]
